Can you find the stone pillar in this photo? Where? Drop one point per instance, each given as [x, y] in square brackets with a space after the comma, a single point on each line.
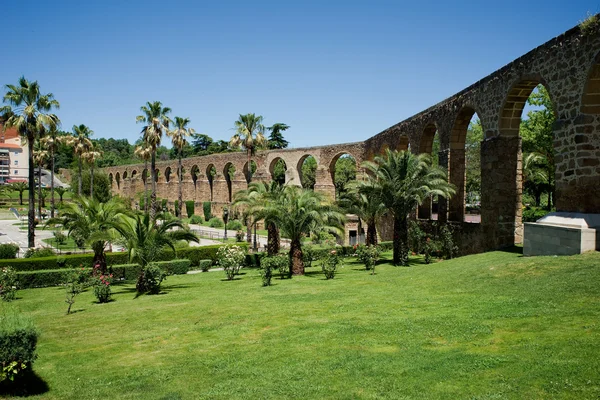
[220, 189]
[324, 183]
[501, 188]
[457, 178]
[292, 177]
[238, 183]
[444, 156]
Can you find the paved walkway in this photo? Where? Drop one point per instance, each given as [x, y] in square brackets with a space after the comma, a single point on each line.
[10, 233]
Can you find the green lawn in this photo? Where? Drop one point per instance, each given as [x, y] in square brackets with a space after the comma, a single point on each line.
[490, 326]
[69, 244]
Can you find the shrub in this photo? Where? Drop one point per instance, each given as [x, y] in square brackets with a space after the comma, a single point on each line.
[253, 260]
[206, 208]
[176, 206]
[189, 208]
[431, 247]
[277, 262]
[205, 265]
[75, 285]
[532, 214]
[37, 253]
[126, 272]
[308, 255]
[174, 267]
[102, 289]
[60, 237]
[8, 251]
[68, 261]
[368, 255]
[151, 279]
[266, 273]
[447, 246]
[330, 264]
[8, 284]
[18, 341]
[216, 222]
[196, 219]
[239, 236]
[234, 225]
[231, 259]
[416, 237]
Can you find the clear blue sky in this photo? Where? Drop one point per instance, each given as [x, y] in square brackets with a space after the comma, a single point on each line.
[335, 71]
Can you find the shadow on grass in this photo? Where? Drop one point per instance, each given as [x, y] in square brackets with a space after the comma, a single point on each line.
[513, 250]
[29, 384]
[230, 280]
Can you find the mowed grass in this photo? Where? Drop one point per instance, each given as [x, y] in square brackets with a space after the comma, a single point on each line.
[489, 326]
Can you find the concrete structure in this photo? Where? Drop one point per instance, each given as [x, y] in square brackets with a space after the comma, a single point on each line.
[568, 66]
[13, 156]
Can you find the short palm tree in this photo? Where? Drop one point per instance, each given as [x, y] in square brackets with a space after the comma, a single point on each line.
[143, 152]
[249, 134]
[19, 187]
[300, 212]
[61, 192]
[155, 116]
[261, 200]
[81, 143]
[366, 208]
[178, 136]
[403, 181]
[28, 111]
[51, 142]
[91, 156]
[94, 222]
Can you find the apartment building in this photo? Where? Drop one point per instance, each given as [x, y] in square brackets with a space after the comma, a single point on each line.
[13, 156]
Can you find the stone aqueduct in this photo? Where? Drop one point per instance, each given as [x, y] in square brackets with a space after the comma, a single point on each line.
[568, 66]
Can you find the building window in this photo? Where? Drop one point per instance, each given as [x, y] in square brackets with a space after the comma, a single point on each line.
[16, 153]
[16, 172]
[16, 162]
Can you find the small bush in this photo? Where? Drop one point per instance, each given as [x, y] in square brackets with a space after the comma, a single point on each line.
[18, 341]
[189, 208]
[60, 237]
[266, 273]
[206, 208]
[196, 219]
[8, 251]
[308, 255]
[37, 253]
[239, 236]
[368, 255]
[126, 272]
[330, 264]
[174, 267]
[277, 262]
[150, 280]
[447, 246]
[234, 225]
[102, 289]
[8, 284]
[532, 214]
[231, 259]
[76, 281]
[216, 222]
[416, 237]
[430, 248]
[205, 265]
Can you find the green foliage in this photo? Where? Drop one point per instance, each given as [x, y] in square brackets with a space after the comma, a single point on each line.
[216, 222]
[447, 246]
[176, 206]
[276, 140]
[196, 219]
[151, 279]
[532, 214]
[101, 185]
[279, 172]
[76, 280]
[416, 237]
[45, 278]
[279, 262]
[102, 290]
[473, 161]
[308, 255]
[368, 255]
[63, 261]
[39, 252]
[206, 208]
[430, 248]
[190, 208]
[589, 24]
[234, 225]
[8, 251]
[308, 177]
[125, 272]
[231, 258]
[18, 341]
[8, 284]
[205, 265]
[174, 267]
[330, 263]
[59, 237]
[345, 171]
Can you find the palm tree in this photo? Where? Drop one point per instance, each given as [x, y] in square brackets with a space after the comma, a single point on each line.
[403, 181]
[81, 143]
[178, 136]
[143, 152]
[29, 113]
[61, 191]
[156, 120]
[91, 156]
[19, 187]
[249, 134]
[51, 143]
[261, 200]
[368, 209]
[39, 156]
[145, 240]
[97, 223]
[301, 212]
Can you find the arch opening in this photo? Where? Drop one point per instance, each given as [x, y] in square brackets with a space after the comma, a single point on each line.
[156, 175]
[307, 169]
[133, 174]
[277, 170]
[110, 179]
[125, 175]
[118, 180]
[249, 172]
[211, 172]
[229, 174]
[343, 170]
[168, 174]
[194, 174]
[430, 144]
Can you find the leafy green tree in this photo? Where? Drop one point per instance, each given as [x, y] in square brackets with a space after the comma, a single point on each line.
[345, 171]
[178, 136]
[249, 134]
[403, 181]
[155, 116]
[220, 146]
[369, 209]
[201, 142]
[276, 140]
[309, 173]
[61, 192]
[19, 187]
[279, 172]
[91, 157]
[473, 160]
[28, 111]
[101, 185]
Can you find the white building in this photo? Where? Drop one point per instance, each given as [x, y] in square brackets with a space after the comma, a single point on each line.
[13, 156]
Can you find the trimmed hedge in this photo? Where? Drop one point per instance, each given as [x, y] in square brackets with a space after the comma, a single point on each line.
[58, 262]
[189, 208]
[205, 265]
[18, 340]
[8, 250]
[38, 279]
[206, 209]
[125, 272]
[174, 267]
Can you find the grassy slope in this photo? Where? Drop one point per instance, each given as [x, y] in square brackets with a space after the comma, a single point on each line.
[488, 326]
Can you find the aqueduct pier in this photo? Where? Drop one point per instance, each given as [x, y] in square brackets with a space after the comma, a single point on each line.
[569, 68]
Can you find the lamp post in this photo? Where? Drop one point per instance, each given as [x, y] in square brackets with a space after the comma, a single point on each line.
[225, 218]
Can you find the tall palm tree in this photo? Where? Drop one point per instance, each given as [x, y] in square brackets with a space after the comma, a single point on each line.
[51, 142]
[403, 181]
[91, 156]
[97, 223]
[39, 156]
[300, 212]
[178, 136]
[143, 152]
[28, 111]
[81, 143]
[367, 209]
[261, 200]
[249, 134]
[155, 116]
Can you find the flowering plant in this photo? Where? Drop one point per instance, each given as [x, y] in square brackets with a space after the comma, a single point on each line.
[102, 289]
[330, 264]
[231, 259]
[368, 255]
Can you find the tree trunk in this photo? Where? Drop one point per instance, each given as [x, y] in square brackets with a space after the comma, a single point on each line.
[248, 230]
[371, 234]
[92, 181]
[180, 187]
[153, 194]
[52, 182]
[31, 176]
[80, 173]
[99, 256]
[297, 264]
[40, 191]
[21, 198]
[146, 187]
[272, 239]
[400, 237]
